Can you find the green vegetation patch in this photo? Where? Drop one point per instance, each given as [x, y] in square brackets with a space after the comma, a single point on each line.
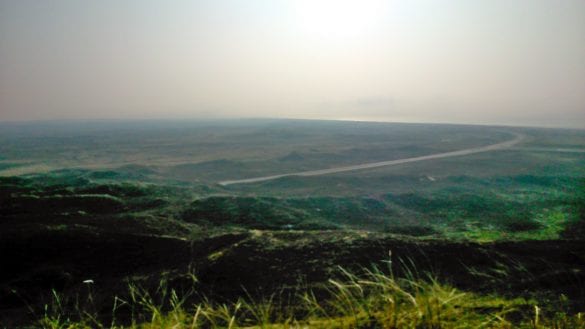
[251, 212]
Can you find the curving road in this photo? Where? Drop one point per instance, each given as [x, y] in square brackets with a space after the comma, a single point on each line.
[494, 147]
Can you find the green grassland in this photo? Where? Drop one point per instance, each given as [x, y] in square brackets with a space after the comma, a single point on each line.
[514, 207]
[126, 204]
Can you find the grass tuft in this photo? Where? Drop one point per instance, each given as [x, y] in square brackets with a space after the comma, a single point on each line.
[375, 298]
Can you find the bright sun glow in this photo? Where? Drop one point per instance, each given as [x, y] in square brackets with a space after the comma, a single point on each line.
[339, 18]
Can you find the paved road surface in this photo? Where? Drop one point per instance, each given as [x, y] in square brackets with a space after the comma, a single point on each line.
[488, 148]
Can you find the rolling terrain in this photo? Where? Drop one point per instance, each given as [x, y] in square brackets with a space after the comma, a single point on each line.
[494, 211]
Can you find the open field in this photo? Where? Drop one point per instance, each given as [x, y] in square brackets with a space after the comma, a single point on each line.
[189, 150]
[120, 202]
[371, 165]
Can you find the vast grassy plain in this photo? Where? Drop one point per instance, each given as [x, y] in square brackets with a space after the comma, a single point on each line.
[494, 238]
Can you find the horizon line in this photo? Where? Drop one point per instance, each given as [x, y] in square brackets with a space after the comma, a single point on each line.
[192, 119]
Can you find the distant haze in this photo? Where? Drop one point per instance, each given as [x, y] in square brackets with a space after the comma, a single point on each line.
[519, 62]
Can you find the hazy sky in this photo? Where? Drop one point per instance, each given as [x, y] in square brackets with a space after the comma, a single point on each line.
[477, 61]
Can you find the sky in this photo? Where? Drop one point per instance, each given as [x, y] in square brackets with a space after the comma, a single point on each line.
[513, 62]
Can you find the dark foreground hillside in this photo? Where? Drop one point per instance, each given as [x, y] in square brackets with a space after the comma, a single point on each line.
[264, 263]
